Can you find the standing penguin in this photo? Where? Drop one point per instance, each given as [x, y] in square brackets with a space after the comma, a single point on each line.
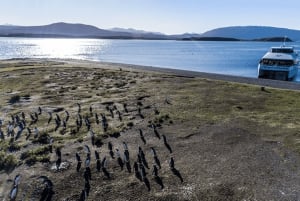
[155, 157]
[58, 161]
[98, 161]
[104, 168]
[120, 161]
[78, 162]
[110, 148]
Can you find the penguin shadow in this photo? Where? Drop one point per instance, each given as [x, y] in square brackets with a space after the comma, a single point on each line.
[177, 173]
[147, 183]
[159, 181]
[168, 147]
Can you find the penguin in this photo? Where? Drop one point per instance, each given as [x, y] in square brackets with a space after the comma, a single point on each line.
[91, 110]
[67, 116]
[2, 137]
[143, 159]
[23, 115]
[51, 140]
[36, 117]
[104, 123]
[58, 161]
[171, 163]
[136, 171]
[13, 193]
[92, 137]
[155, 157]
[126, 152]
[87, 123]
[155, 171]
[32, 119]
[57, 122]
[48, 192]
[36, 132]
[87, 172]
[119, 159]
[40, 110]
[111, 113]
[20, 130]
[140, 113]
[142, 170]
[28, 133]
[127, 162]
[119, 115]
[98, 161]
[142, 136]
[64, 125]
[104, 170]
[125, 107]
[78, 162]
[79, 108]
[97, 156]
[110, 148]
[97, 119]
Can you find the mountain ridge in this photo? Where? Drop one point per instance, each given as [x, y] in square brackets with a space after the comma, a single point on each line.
[253, 32]
[78, 30]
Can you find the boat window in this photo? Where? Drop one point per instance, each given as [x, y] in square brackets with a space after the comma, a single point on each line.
[273, 62]
[282, 50]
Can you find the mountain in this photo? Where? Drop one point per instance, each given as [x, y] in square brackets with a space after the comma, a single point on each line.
[62, 29]
[252, 32]
[135, 31]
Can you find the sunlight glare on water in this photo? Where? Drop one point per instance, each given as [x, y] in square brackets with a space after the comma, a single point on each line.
[67, 48]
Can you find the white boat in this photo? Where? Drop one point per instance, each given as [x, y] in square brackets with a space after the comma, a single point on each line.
[280, 63]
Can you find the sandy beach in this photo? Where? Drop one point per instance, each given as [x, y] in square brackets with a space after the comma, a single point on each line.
[231, 138]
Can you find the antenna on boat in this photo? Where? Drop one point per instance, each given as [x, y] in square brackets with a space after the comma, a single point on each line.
[284, 40]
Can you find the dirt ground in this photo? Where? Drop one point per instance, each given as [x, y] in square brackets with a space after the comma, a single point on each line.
[229, 141]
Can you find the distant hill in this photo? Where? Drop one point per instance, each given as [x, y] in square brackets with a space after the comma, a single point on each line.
[210, 39]
[252, 32]
[235, 33]
[62, 29]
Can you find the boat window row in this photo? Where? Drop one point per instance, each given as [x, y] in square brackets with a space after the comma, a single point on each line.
[282, 50]
[273, 62]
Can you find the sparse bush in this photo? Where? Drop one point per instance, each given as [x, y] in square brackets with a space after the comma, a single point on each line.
[7, 162]
[38, 155]
[14, 99]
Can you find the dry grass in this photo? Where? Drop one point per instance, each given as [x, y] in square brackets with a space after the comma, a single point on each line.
[184, 107]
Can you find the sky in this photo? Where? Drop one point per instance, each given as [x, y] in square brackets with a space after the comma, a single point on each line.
[165, 16]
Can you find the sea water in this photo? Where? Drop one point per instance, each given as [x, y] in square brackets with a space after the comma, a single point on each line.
[230, 58]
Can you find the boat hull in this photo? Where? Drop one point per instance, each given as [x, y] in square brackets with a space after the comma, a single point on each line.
[287, 74]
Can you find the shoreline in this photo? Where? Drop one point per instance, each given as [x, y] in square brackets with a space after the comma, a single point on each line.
[181, 73]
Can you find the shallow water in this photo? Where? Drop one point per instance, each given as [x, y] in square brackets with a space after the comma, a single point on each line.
[230, 58]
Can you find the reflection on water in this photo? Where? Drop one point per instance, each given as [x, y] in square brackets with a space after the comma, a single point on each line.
[231, 58]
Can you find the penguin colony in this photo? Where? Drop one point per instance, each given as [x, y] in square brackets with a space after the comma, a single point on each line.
[133, 160]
